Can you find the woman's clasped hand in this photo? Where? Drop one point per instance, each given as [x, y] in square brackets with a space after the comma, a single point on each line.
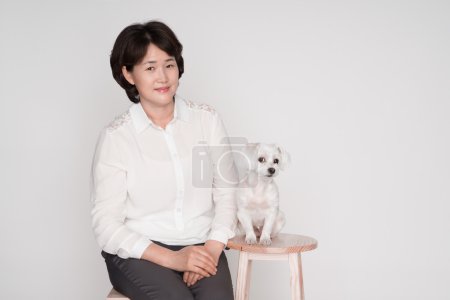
[194, 259]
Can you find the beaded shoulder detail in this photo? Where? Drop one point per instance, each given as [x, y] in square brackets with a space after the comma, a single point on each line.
[119, 121]
[200, 106]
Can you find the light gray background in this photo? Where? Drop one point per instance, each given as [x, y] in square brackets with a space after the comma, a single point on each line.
[357, 91]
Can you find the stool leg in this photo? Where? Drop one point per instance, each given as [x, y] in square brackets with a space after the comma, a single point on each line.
[295, 266]
[243, 276]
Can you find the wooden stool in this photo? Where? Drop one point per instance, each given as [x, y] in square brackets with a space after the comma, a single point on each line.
[284, 247]
[115, 295]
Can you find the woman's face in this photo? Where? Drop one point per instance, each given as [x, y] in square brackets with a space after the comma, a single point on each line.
[155, 77]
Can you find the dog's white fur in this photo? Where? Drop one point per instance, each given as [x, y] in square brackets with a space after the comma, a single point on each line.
[257, 195]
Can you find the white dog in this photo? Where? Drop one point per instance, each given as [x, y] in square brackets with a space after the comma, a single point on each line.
[257, 195]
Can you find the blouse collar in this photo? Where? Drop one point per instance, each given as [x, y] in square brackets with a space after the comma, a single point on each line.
[141, 121]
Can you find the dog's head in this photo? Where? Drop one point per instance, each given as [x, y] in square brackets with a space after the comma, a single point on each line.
[267, 159]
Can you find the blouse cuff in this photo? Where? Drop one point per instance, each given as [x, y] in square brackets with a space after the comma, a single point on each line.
[220, 236]
[139, 249]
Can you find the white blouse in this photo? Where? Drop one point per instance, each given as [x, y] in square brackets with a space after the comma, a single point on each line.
[174, 185]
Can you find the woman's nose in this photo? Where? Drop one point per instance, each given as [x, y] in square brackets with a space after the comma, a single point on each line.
[162, 76]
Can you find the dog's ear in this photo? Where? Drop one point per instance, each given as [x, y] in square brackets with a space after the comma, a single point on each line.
[285, 158]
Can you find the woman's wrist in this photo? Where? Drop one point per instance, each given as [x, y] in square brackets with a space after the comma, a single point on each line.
[215, 248]
[159, 255]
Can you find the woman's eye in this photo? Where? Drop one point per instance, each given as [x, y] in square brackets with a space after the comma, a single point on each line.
[151, 68]
[170, 66]
[261, 159]
[275, 161]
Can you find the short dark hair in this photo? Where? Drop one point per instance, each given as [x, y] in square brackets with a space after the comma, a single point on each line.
[131, 46]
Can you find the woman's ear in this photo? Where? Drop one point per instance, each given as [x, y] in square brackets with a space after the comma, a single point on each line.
[128, 75]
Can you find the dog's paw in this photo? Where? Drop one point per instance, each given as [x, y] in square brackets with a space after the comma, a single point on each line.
[250, 239]
[265, 240]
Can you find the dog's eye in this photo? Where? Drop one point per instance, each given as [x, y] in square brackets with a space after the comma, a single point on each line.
[261, 159]
[275, 161]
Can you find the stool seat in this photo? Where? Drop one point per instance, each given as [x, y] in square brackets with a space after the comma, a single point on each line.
[283, 247]
[282, 243]
[115, 295]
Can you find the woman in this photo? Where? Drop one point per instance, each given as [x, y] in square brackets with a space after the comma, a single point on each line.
[162, 228]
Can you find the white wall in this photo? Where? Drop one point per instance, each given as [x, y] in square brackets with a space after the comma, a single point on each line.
[357, 91]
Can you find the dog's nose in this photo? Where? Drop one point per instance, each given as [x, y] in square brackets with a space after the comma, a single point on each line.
[271, 170]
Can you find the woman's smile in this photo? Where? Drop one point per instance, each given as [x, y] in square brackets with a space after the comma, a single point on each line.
[163, 89]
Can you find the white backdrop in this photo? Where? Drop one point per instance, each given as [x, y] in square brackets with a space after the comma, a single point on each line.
[357, 91]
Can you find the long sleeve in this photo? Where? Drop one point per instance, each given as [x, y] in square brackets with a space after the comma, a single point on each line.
[109, 196]
[225, 179]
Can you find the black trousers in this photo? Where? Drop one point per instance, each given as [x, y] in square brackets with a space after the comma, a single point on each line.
[140, 279]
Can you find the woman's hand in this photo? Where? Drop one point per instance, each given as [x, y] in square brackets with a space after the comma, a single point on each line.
[190, 278]
[215, 248]
[194, 259]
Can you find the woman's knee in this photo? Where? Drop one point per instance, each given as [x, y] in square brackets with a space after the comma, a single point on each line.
[224, 293]
[176, 294]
